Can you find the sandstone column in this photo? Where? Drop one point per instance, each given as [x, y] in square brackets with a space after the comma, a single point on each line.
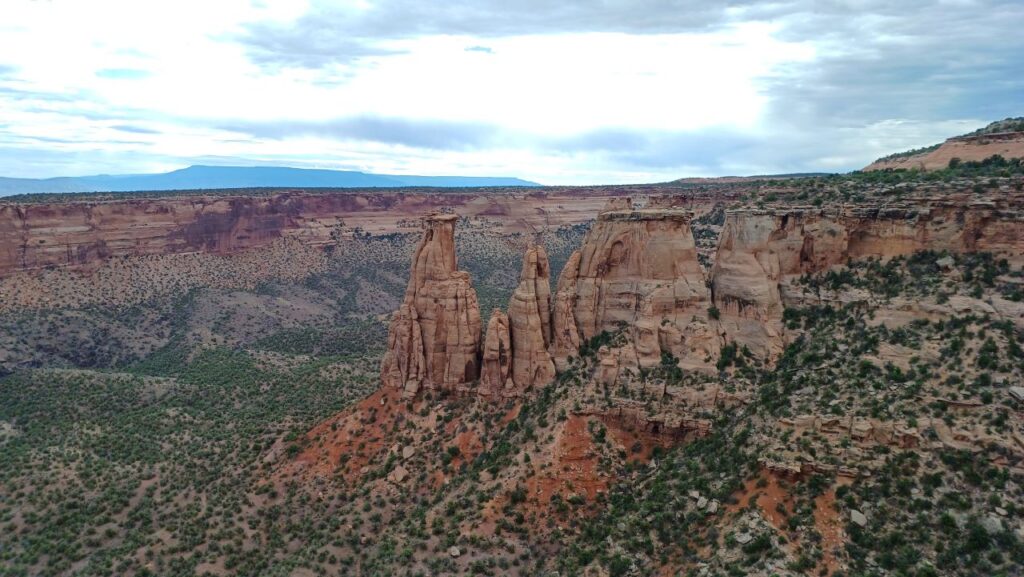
[434, 337]
[529, 314]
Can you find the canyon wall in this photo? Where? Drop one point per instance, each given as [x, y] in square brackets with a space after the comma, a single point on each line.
[638, 272]
[760, 251]
[75, 231]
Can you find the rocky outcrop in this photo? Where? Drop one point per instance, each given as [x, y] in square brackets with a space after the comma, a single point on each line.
[496, 361]
[434, 338]
[608, 366]
[745, 285]
[638, 271]
[966, 148]
[529, 314]
[761, 251]
[404, 366]
[565, 338]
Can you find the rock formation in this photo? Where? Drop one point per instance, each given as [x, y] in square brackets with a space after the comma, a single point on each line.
[70, 231]
[745, 285]
[761, 251]
[608, 366]
[565, 338]
[529, 314]
[638, 271]
[404, 365]
[496, 361]
[434, 338]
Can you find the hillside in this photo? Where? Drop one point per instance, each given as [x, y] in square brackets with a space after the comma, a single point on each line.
[1003, 138]
[805, 376]
[212, 177]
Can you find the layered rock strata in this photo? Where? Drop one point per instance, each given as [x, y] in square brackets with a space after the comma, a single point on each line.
[638, 271]
[761, 251]
[90, 229]
[529, 313]
[434, 338]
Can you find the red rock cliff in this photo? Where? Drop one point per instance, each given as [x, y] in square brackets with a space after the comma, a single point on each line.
[759, 250]
[638, 270]
[83, 231]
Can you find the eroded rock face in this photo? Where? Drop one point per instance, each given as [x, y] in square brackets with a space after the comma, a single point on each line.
[565, 337]
[496, 361]
[638, 270]
[88, 231]
[761, 251]
[745, 284]
[440, 306]
[404, 365]
[529, 314]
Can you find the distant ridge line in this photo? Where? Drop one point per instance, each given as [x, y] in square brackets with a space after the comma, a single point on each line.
[201, 177]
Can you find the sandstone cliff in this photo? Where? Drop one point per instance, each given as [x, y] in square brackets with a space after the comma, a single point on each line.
[434, 338]
[760, 251]
[638, 271]
[565, 338]
[529, 314]
[76, 231]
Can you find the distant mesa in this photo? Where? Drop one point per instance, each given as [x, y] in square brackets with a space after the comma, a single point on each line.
[1004, 138]
[217, 177]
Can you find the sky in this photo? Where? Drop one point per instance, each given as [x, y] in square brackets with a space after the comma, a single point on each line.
[559, 92]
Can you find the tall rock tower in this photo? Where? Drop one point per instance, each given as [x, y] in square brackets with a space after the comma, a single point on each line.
[434, 337]
[529, 314]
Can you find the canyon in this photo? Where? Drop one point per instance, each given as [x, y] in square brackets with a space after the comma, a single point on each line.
[526, 382]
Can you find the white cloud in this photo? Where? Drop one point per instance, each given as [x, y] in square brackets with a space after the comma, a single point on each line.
[160, 83]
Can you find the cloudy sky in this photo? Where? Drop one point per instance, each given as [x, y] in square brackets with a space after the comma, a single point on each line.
[557, 91]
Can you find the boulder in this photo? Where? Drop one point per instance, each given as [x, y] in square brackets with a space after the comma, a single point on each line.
[858, 518]
[398, 474]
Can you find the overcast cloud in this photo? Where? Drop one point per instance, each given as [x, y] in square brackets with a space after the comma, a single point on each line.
[552, 91]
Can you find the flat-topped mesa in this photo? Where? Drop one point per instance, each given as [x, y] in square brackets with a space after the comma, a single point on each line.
[439, 319]
[529, 313]
[638, 270]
